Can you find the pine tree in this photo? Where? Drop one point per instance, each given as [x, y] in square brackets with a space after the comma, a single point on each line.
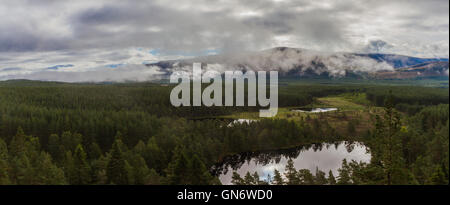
[291, 173]
[236, 179]
[154, 156]
[98, 169]
[22, 171]
[277, 179]
[54, 147]
[48, 173]
[24, 155]
[344, 174]
[267, 181]
[69, 168]
[305, 177]
[81, 167]
[320, 178]
[256, 179]
[4, 176]
[176, 172]
[387, 150]
[331, 179]
[438, 177]
[153, 178]
[199, 173]
[17, 145]
[94, 151]
[351, 127]
[139, 170]
[248, 179]
[67, 141]
[4, 165]
[116, 171]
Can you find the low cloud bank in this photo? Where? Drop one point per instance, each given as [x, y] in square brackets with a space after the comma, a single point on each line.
[286, 59]
[135, 73]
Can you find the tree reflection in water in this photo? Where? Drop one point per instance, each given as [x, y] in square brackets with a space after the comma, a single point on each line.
[267, 161]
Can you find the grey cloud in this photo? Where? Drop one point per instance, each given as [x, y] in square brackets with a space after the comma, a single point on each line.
[377, 46]
[120, 74]
[120, 25]
[108, 29]
[108, 14]
[56, 67]
[10, 69]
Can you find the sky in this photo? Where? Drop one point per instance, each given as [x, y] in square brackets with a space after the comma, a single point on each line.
[105, 39]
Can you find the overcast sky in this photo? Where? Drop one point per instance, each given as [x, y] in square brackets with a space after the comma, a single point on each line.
[81, 36]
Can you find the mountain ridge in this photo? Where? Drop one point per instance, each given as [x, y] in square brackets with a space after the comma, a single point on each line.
[309, 63]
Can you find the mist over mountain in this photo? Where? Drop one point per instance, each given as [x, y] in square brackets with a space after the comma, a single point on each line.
[297, 62]
[422, 70]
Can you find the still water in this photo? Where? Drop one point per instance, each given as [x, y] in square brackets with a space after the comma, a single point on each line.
[324, 156]
[314, 110]
[241, 121]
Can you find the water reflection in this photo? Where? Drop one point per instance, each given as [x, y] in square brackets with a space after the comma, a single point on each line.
[314, 110]
[241, 121]
[325, 156]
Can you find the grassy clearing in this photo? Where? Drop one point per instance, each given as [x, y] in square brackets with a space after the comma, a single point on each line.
[353, 111]
[342, 103]
[358, 98]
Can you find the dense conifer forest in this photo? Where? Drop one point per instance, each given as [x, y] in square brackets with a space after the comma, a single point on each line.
[129, 133]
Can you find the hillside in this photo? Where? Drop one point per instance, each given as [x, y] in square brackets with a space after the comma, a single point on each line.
[295, 62]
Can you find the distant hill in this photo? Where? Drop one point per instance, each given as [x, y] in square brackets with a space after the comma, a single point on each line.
[297, 62]
[400, 61]
[423, 70]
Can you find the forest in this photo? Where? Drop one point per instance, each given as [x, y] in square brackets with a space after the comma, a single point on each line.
[129, 133]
